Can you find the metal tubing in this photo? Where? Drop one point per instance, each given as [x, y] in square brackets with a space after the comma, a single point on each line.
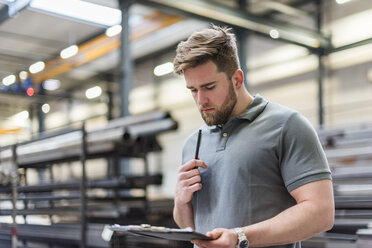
[129, 182]
[124, 132]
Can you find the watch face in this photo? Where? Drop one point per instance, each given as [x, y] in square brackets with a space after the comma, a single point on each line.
[243, 244]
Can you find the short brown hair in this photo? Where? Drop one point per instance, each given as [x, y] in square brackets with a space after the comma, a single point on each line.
[217, 44]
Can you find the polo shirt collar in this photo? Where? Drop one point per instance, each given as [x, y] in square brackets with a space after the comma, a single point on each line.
[256, 107]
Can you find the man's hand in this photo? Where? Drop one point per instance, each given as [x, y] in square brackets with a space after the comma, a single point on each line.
[188, 181]
[222, 238]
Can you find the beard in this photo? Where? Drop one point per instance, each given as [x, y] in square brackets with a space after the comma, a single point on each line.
[223, 114]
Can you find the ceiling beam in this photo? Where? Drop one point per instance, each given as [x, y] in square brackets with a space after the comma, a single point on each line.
[240, 18]
[103, 45]
[283, 8]
[10, 9]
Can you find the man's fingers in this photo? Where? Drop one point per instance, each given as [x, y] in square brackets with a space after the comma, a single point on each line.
[195, 187]
[188, 174]
[193, 180]
[215, 233]
[194, 163]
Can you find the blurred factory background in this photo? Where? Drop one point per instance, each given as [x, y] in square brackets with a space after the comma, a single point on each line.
[92, 119]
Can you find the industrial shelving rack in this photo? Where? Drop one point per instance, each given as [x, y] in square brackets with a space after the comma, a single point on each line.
[349, 153]
[129, 137]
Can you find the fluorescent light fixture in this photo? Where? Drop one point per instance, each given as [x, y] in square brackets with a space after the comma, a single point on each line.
[51, 84]
[79, 10]
[274, 34]
[342, 1]
[114, 30]
[69, 52]
[163, 69]
[9, 80]
[23, 75]
[93, 92]
[369, 75]
[352, 28]
[37, 67]
[45, 108]
[21, 116]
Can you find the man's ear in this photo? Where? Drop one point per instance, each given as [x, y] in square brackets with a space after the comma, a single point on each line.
[238, 78]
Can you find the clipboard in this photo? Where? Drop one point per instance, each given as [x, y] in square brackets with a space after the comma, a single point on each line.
[146, 230]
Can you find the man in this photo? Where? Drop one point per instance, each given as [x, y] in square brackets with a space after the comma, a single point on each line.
[261, 176]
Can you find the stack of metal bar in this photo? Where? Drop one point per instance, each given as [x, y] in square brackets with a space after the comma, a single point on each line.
[85, 202]
[349, 152]
[133, 135]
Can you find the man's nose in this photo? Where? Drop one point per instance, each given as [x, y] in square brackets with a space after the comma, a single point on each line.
[201, 98]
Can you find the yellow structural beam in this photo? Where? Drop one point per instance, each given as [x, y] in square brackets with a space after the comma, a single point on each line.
[9, 130]
[103, 45]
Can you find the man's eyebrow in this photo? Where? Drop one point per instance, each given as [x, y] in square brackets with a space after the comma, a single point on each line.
[207, 84]
[202, 85]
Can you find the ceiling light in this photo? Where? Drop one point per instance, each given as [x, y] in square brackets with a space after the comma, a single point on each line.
[23, 75]
[369, 75]
[114, 30]
[93, 92]
[21, 116]
[9, 80]
[30, 91]
[274, 34]
[79, 10]
[51, 84]
[163, 69]
[45, 108]
[69, 52]
[37, 67]
[342, 1]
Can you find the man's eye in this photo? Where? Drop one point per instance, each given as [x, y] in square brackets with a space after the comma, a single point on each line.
[210, 87]
[193, 91]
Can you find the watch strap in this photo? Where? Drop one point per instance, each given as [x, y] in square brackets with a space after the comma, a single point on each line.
[242, 239]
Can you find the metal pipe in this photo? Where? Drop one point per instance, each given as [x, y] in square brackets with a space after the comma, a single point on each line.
[61, 147]
[128, 182]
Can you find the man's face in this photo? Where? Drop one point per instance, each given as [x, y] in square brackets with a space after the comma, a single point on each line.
[213, 93]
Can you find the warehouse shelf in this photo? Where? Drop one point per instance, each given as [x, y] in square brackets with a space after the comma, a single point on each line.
[349, 153]
[66, 235]
[87, 201]
[120, 137]
[130, 182]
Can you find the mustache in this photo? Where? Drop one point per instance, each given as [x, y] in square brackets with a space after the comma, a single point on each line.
[205, 106]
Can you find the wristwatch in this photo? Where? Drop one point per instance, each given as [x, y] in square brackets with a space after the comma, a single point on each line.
[242, 239]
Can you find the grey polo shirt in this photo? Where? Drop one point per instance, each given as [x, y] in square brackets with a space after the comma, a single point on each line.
[254, 161]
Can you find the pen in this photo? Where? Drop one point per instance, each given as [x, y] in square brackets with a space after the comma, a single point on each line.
[198, 144]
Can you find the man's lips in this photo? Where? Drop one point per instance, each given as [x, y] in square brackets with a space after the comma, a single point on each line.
[207, 110]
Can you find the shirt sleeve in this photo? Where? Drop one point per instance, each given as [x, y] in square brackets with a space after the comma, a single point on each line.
[302, 159]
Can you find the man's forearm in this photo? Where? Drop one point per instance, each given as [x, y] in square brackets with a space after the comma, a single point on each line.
[300, 222]
[184, 216]
[288, 227]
